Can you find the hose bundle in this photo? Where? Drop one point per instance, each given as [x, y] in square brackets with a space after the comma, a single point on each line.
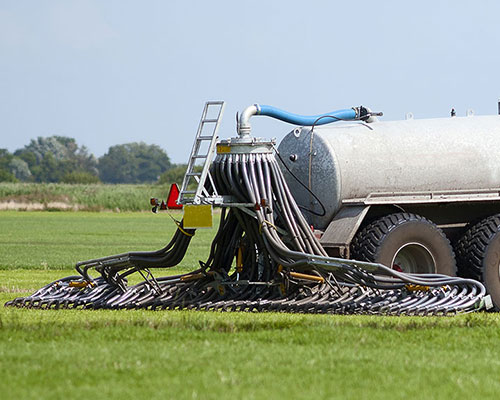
[264, 257]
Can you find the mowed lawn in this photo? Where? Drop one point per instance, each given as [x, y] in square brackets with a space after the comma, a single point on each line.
[57, 240]
[205, 355]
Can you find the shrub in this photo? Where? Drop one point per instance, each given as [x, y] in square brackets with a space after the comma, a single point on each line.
[80, 177]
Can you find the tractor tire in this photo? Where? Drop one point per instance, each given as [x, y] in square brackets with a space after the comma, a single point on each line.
[478, 255]
[405, 242]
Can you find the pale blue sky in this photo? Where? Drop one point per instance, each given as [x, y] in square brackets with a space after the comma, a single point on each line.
[109, 72]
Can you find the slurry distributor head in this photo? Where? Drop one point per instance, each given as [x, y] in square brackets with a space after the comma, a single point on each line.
[264, 257]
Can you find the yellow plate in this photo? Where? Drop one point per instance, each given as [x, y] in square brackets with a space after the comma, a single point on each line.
[197, 216]
[221, 149]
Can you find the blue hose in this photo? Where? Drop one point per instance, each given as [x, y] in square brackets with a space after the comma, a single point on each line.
[306, 120]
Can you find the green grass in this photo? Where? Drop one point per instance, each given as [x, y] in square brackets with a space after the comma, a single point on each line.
[139, 354]
[48, 354]
[94, 197]
[45, 240]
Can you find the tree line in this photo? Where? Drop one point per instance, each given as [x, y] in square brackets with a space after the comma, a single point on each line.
[60, 159]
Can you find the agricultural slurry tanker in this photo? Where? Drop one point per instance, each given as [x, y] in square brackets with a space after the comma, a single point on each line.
[348, 215]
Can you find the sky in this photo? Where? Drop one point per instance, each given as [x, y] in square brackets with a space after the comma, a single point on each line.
[109, 72]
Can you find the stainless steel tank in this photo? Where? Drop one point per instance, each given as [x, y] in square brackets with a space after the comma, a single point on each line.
[347, 161]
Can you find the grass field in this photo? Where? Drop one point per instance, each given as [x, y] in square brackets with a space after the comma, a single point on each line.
[175, 355]
[94, 197]
[48, 240]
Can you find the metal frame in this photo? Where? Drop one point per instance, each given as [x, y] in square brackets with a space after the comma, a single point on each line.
[448, 196]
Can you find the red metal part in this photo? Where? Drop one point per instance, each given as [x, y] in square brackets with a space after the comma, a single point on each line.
[173, 195]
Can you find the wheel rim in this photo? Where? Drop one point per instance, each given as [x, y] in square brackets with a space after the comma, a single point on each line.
[414, 258]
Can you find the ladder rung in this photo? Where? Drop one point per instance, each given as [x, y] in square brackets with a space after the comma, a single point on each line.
[188, 192]
[209, 120]
[199, 156]
[193, 173]
[205, 137]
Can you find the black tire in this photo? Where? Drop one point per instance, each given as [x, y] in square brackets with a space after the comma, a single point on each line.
[478, 255]
[414, 241]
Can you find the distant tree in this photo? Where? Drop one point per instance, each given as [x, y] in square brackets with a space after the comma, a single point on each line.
[20, 169]
[5, 158]
[50, 158]
[49, 169]
[28, 157]
[5, 173]
[173, 175]
[60, 147]
[6, 176]
[133, 163]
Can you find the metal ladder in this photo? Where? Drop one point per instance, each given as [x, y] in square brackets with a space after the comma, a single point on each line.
[187, 196]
